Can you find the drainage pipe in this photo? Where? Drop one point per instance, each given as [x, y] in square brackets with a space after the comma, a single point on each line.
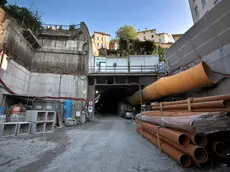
[197, 153]
[175, 136]
[183, 159]
[198, 76]
[221, 149]
[197, 100]
[201, 105]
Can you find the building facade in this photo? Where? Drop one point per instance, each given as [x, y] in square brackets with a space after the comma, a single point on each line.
[152, 35]
[114, 45]
[101, 40]
[200, 7]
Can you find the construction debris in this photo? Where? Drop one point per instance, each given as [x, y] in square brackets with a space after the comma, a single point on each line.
[200, 138]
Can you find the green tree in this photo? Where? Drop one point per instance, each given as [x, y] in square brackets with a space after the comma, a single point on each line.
[72, 27]
[126, 33]
[25, 17]
[3, 3]
[160, 52]
[102, 52]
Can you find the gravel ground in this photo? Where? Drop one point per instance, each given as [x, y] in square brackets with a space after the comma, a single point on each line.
[109, 145]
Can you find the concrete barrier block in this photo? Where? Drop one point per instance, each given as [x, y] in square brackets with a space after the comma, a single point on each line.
[23, 128]
[37, 127]
[8, 129]
[49, 127]
[51, 116]
[35, 116]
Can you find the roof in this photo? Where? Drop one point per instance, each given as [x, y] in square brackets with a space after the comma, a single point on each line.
[146, 30]
[102, 33]
[177, 35]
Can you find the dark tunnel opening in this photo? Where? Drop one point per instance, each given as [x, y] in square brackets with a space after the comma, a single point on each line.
[111, 96]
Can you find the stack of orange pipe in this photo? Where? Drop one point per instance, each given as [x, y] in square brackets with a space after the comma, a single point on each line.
[220, 103]
[204, 151]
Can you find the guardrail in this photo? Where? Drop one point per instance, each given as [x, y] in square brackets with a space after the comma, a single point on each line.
[48, 27]
[126, 69]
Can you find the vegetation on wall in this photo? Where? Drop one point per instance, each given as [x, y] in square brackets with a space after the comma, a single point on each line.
[159, 51]
[130, 45]
[72, 27]
[25, 16]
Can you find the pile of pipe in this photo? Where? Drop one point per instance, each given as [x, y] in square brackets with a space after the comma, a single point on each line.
[195, 131]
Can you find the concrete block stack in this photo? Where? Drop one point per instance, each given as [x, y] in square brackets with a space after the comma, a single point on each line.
[23, 128]
[41, 121]
[16, 126]
[8, 129]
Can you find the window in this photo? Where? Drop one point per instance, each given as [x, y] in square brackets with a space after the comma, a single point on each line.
[143, 32]
[102, 38]
[98, 44]
[144, 37]
[203, 3]
[151, 31]
[152, 36]
[196, 11]
[98, 38]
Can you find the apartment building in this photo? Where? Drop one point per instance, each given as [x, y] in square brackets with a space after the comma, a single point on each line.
[101, 40]
[152, 35]
[200, 7]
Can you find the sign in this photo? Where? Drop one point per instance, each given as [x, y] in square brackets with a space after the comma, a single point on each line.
[78, 113]
[90, 109]
[90, 103]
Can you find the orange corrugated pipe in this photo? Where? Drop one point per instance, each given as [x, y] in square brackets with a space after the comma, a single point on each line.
[198, 76]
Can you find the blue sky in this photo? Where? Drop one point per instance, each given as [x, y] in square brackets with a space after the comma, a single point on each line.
[172, 16]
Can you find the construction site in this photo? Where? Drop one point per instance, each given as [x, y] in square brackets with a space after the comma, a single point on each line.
[63, 110]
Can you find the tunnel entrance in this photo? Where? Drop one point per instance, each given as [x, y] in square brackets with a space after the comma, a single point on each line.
[108, 98]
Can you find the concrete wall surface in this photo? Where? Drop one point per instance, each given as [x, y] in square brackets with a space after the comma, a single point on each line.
[57, 85]
[16, 77]
[209, 41]
[13, 42]
[219, 61]
[209, 34]
[68, 53]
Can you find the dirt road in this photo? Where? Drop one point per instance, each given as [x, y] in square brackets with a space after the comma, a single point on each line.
[109, 145]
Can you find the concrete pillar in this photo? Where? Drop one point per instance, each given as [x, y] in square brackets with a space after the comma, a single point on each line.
[91, 97]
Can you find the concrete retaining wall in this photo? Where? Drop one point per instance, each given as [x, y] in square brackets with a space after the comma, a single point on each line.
[209, 34]
[208, 40]
[16, 77]
[57, 85]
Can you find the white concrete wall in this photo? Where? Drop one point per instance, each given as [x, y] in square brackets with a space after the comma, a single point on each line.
[122, 64]
[54, 85]
[16, 78]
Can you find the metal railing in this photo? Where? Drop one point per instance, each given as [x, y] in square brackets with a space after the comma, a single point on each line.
[126, 69]
[48, 27]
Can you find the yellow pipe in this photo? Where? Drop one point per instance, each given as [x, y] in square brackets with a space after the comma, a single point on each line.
[198, 76]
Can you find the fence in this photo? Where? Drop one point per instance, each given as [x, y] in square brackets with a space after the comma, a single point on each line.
[127, 69]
